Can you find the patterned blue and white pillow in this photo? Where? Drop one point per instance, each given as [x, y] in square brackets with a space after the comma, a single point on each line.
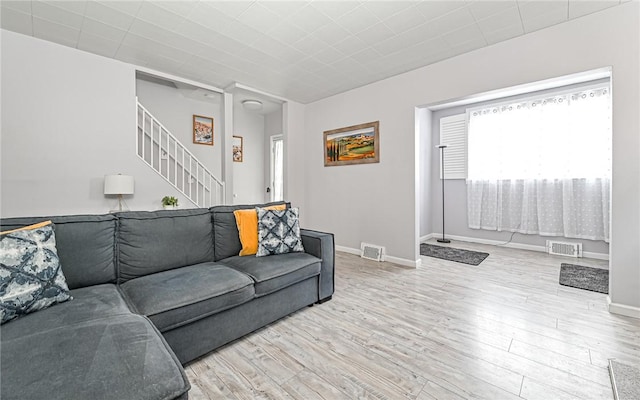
[30, 274]
[278, 232]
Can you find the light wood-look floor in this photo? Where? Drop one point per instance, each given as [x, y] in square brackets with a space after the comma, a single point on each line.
[502, 330]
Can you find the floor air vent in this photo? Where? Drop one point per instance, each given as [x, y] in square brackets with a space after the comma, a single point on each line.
[564, 248]
[372, 252]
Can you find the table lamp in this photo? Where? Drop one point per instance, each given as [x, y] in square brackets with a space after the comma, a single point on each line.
[120, 185]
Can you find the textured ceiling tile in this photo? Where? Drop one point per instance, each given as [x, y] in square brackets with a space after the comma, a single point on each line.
[231, 8]
[350, 45]
[153, 14]
[436, 9]
[181, 8]
[404, 20]
[74, 6]
[358, 20]
[97, 28]
[366, 56]
[464, 35]
[287, 33]
[532, 9]
[16, 21]
[500, 20]
[204, 14]
[107, 15]
[284, 8]
[22, 6]
[309, 19]
[504, 34]
[57, 33]
[335, 9]
[375, 34]
[97, 44]
[453, 20]
[259, 17]
[541, 21]
[129, 7]
[309, 45]
[331, 33]
[385, 9]
[240, 32]
[57, 15]
[484, 9]
[328, 55]
[580, 8]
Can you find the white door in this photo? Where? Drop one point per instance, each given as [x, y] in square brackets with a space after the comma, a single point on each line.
[276, 189]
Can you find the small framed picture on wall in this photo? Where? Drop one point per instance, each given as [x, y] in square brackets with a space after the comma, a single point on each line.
[238, 150]
[203, 130]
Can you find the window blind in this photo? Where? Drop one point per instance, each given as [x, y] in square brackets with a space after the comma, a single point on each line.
[453, 133]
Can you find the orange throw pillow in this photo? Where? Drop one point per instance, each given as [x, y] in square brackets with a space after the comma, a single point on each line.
[247, 222]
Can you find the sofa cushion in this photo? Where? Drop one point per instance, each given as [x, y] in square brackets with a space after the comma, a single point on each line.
[275, 272]
[225, 231]
[247, 222]
[85, 243]
[151, 242]
[30, 275]
[91, 347]
[278, 232]
[177, 297]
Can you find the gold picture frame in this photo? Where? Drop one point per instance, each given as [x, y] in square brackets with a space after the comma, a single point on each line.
[357, 144]
[203, 130]
[238, 148]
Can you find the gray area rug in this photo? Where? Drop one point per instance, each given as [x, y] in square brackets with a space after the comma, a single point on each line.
[625, 381]
[587, 278]
[452, 254]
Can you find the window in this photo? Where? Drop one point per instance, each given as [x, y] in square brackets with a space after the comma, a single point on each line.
[542, 165]
[558, 137]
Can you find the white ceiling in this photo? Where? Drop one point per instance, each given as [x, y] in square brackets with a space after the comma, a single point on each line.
[301, 50]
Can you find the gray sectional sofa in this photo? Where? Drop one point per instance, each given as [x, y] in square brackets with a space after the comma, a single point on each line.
[151, 292]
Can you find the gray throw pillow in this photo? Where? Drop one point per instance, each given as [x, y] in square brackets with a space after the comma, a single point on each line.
[31, 278]
[278, 232]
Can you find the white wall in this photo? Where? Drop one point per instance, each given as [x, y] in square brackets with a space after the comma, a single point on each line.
[68, 119]
[175, 112]
[376, 202]
[296, 185]
[248, 175]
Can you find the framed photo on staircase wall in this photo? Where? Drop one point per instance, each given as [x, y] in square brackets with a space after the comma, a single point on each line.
[203, 130]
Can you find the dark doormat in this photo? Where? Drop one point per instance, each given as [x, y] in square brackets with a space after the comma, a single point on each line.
[587, 278]
[625, 381]
[452, 254]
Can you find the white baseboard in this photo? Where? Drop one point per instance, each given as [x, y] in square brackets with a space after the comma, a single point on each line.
[512, 245]
[396, 260]
[621, 309]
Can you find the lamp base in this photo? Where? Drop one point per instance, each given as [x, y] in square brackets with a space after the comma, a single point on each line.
[444, 241]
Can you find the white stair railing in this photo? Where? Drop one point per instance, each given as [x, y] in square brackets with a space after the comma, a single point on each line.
[164, 153]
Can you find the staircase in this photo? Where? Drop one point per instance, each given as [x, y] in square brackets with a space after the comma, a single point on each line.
[164, 153]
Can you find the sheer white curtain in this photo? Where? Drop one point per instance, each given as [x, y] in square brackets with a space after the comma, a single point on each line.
[542, 166]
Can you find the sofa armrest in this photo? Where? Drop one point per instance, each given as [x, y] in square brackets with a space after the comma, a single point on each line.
[321, 245]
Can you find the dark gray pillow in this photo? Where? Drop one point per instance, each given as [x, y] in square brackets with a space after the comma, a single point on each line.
[30, 275]
[278, 232]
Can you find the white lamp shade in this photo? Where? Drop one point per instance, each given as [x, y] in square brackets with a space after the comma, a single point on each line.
[118, 184]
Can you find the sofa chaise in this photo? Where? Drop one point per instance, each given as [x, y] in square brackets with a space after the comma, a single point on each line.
[151, 292]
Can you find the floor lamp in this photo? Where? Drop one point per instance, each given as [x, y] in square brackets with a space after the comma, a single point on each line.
[442, 147]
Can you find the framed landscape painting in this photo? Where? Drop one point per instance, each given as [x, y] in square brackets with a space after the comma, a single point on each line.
[357, 144]
[202, 130]
[238, 151]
